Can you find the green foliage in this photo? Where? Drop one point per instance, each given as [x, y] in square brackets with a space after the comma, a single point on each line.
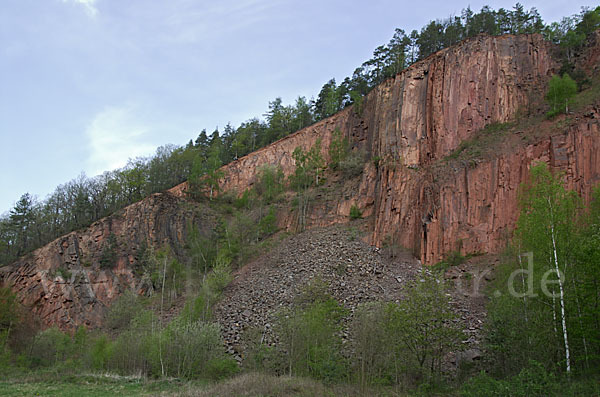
[309, 334]
[309, 167]
[353, 164]
[355, 213]
[50, 347]
[108, 257]
[9, 313]
[560, 94]
[269, 184]
[99, 353]
[220, 368]
[245, 201]
[123, 310]
[453, 258]
[533, 380]
[485, 140]
[376, 160]
[373, 361]
[189, 350]
[202, 250]
[535, 314]
[338, 149]
[64, 273]
[268, 224]
[425, 328]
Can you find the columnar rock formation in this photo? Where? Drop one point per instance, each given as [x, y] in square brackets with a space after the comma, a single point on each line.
[413, 120]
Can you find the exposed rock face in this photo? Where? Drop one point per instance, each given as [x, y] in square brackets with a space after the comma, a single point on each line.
[415, 119]
[475, 209]
[63, 282]
[404, 128]
[426, 111]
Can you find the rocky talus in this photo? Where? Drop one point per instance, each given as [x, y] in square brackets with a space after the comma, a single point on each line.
[355, 272]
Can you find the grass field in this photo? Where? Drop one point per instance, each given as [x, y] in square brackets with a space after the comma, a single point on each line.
[95, 385]
[39, 383]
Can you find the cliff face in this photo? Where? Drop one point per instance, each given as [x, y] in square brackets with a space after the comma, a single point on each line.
[474, 209]
[415, 119]
[426, 111]
[63, 282]
[404, 128]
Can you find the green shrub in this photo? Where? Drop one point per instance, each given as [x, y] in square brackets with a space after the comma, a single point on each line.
[221, 368]
[189, 350]
[123, 310]
[338, 149]
[64, 273]
[50, 347]
[108, 257]
[532, 381]
[130, 353]
[99, 353]
[355, 213]
[561, 91]
[309, 334]
[352, 165]
[268, 224]
[376, 160]
[270, 183]
[372, 359]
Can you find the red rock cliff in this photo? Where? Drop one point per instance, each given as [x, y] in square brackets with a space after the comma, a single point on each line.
[416, 118]
[80, 291]
[409, 123]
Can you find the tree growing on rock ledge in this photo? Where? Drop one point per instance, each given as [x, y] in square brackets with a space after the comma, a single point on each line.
[561, 91]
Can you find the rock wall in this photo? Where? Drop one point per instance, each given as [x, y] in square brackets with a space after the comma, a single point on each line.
[426, 111]
[474, 209]
[404, 127]
[63, 282]
[413, 120]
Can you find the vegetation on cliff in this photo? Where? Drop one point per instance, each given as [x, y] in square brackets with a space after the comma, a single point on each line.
[33, 223]
[542, 334]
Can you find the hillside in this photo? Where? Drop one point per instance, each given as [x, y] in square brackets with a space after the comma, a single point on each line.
[415, 189]
[410, 125]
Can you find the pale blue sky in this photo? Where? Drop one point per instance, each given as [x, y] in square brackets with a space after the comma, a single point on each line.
[87, 84]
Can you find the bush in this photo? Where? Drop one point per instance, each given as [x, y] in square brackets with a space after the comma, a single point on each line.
[50, 347]
[533, 381]
[221, 368]
[268, 224]
[352, 165]
[108, 258]
[338, 149]
[355, 213]
[560, 94]
[270, 183]
[99, 353]
[64, 273]
[123, 310]
[372, 359]
[309, 334]
[130, 352]
[189, 350]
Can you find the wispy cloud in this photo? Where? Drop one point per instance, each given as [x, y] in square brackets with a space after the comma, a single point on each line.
[115, 135]
[88, 5]
[188, 23]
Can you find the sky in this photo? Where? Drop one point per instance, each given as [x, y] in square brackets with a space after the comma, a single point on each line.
[87, 84]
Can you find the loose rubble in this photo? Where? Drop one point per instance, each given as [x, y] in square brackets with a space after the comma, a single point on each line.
[355, 272]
